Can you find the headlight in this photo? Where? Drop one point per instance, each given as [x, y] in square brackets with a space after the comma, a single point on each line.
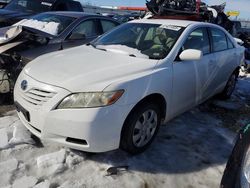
[90, 99]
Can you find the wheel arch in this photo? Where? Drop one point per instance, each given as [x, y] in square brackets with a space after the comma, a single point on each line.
[236, 71]
[156, 98]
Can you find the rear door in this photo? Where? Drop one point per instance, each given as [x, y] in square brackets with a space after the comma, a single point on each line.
[107, 25]
[225, 56]
[190, 77]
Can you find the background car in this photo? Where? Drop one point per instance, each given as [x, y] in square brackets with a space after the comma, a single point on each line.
[126, 18]
[3, 3]
[17, 10]
[117, 91]
[237, 172]
[73, 29]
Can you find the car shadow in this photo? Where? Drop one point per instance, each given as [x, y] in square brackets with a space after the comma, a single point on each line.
[191, 142]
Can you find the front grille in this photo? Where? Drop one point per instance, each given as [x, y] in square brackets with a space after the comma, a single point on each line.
[37, 96]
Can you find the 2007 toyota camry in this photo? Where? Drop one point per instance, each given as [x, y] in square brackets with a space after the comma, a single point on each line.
[116, 91]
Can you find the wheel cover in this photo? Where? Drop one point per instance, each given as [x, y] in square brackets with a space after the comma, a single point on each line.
[231, 85]
[145, 128]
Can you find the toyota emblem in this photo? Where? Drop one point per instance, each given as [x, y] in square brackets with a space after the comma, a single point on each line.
[24, 84]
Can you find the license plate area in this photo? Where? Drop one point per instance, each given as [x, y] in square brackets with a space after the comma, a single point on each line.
[21, 109]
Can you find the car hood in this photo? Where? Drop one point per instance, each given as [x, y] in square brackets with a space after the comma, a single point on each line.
[85, 68]
[13, 36]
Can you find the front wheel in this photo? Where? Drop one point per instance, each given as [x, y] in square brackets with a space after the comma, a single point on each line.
[140, 128]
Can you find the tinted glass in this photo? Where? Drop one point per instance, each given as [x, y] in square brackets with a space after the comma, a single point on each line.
[29, 5]
[87, 28]
[198, 40]
[219, 40]
[229, 43]
[107, 25]
[152, 40]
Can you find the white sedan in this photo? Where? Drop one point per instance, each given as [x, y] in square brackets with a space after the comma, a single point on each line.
[116, 91]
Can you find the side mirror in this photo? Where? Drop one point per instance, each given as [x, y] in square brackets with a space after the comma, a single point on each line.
[191, 55]
[77, 36]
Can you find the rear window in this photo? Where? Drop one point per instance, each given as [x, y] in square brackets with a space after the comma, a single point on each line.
[219, 40]
[230, 43]
[107, 25]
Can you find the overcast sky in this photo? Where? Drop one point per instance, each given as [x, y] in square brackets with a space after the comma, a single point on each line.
[237, 5]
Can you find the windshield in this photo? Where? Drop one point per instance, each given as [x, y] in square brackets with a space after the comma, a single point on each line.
[33, 6]
[153, 41]
[49, 23]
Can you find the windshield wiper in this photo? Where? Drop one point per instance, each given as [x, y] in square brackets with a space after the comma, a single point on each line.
[94, 46]
[91, 44]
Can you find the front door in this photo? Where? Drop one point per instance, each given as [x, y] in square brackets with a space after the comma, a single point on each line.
[84, 33]
[190, 77]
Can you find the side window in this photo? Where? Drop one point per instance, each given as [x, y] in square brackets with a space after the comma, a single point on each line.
[86, 28]
[198, 40]
[219, 40]
[107, 25]
[230, 44]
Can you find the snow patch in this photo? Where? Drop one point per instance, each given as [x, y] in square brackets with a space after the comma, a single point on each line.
[25, 182]
[76, 184]
[7, 121]
[48, 27]
[3, 138]
[7, 168]
[73, 160]
[52, 163]
[21, 135]
[44, 184]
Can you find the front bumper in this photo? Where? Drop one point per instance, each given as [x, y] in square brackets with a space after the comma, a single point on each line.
[87, 129]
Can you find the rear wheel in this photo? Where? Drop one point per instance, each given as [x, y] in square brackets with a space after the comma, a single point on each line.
[140, 128]
[228, 90]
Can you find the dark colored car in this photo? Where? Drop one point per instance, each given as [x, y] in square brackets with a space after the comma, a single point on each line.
[27, 43]
[125, 18]
[237, 172]
[3, 3]
[17, 10]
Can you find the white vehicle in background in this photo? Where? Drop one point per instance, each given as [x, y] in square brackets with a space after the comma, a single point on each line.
[117, 91]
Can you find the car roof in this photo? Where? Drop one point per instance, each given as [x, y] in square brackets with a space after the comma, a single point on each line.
[181, 23]
[72, 14]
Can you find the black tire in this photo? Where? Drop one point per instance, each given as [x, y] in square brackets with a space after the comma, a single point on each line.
[232, 177]
[229, 88]
[129, 128]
